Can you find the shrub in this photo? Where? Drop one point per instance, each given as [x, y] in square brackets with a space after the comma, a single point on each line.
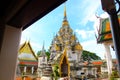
[114, 75]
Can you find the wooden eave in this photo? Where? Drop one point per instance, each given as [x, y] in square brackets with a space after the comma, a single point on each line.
[23, 13]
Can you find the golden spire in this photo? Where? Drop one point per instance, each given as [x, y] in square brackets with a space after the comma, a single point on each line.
[65, 22]
[65, 11]
[65, 15]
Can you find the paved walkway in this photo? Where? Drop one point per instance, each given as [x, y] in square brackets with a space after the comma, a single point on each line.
[105, 79]
[102, 79]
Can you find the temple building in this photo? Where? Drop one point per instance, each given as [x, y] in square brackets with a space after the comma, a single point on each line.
[65, 49]
[65, 59]
[27, 61]
[65, 56]
[105, 37]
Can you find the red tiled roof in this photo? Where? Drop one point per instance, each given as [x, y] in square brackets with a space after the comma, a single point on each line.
[18, 78]
[97, 63]
[94, 63]
[28, 63]
[25, 78]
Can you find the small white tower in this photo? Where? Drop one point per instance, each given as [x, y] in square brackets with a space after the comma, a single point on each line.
[42, 61]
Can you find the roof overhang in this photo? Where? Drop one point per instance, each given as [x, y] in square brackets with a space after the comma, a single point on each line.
[104, 32]
[23, 13]
[28, 63]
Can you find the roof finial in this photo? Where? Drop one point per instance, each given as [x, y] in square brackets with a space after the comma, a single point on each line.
[65, 15]
[43, 47]
[42, 54]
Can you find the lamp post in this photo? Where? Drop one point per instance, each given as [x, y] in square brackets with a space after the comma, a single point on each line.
[109, 7]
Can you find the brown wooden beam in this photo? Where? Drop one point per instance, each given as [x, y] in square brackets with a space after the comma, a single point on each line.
[33, 11]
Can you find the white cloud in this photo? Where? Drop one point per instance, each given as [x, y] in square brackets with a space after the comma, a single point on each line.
[85, 34]
[89, 10]
[92, 46]
[32, 32]
[99, 49]
[97, 21]
[36, 46]
[104, 15]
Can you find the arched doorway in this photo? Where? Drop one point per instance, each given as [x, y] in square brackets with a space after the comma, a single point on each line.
[64, 68]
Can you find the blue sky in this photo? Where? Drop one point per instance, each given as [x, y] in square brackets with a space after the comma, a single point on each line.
[81, 18]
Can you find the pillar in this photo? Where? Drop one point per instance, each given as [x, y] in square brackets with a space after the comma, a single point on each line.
[32, 69]
[78, 56]
[9, 51]
[95, 71]
[25, 68]
[2, 29]
[108, 58]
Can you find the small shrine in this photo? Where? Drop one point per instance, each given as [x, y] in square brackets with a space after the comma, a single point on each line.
[105, 37]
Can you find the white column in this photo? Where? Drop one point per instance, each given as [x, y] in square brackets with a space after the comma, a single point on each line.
[25, 68]
[78, 54]
[87, 71]
[9, 53]
[91, 71]
[108, 58]
[32, 69]
[96, 71]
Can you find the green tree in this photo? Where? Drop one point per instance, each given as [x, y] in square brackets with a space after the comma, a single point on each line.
[56, 72]
[89, 55]
[47, 53]
[114, 75]
[38, 53]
